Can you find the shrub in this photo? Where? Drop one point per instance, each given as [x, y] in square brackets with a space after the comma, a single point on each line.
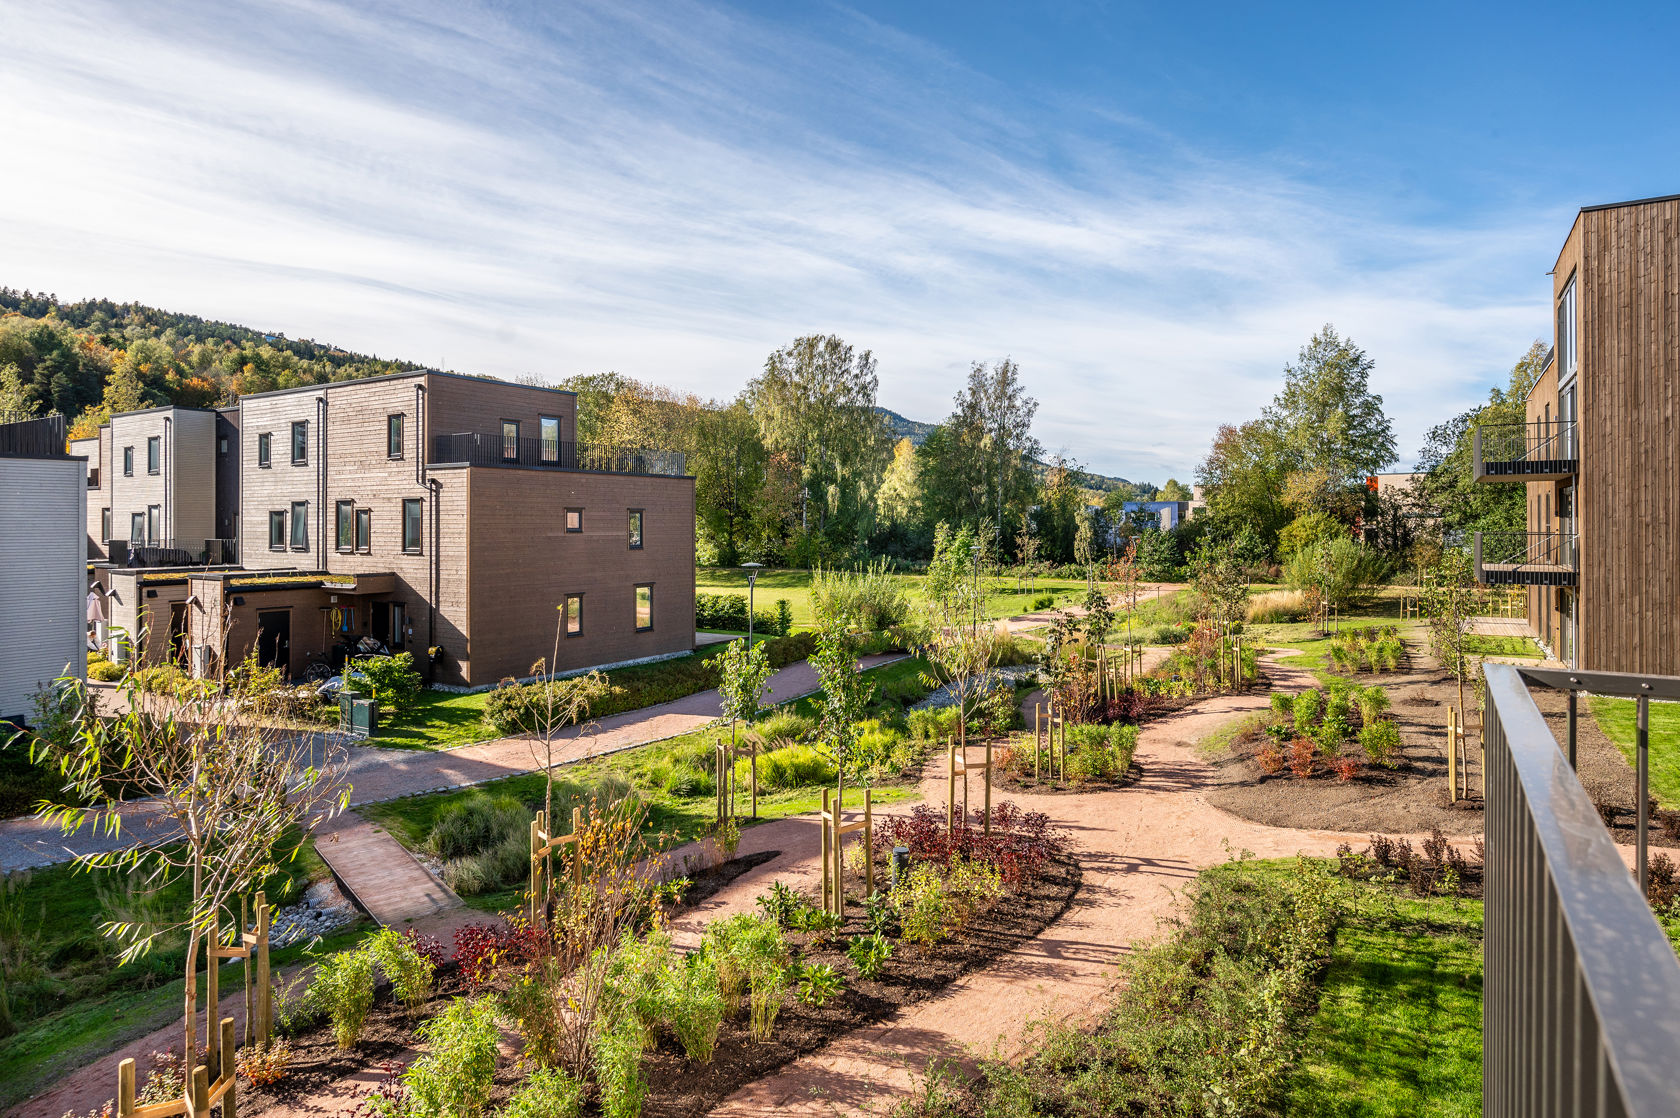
[1272, 759]
[784, 617]
[932, 723]
[1339, 569]
[546, 1093]
[1097, 752]
[816, 984]
[264, 1064]
[1306, 711]
[103, 671]
[780, 904]
[1302, 758]
[694, 1007]
[519, 708]
[453, 1078]
[1345, 768]
[790, 649]
[395, 682]
[869, 954]
[925, 910]
[877, 751]
[869, 598]
[768, 989]
[974, 887]
[1019, 846]
[785, 728]
[1338, 705]
[1044, 602]
[410, 972]
[482, 949]
[1283, 706]
[1381, 741]
[1329, 735]
[1373, 704]
[729, 612]
[795, 766]
[343, 989]
[742, 948]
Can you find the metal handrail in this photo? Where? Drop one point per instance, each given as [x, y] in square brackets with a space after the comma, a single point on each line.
[1528, 549]
[1581, 988]
[1548, 441]
[477, 448]
[173, 552]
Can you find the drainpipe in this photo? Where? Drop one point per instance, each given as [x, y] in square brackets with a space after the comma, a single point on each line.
[168, 525]
[321, 479]
[434, 570]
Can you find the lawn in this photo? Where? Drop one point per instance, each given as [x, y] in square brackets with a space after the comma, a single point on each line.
[92, 1005]
[1002, 597]
[1399, 1023]
[1479, 644]
[1616, 718]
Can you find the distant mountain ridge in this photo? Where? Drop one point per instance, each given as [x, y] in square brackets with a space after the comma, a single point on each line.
[917, 432]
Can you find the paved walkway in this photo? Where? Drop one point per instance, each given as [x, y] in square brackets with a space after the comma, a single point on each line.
[386, 774]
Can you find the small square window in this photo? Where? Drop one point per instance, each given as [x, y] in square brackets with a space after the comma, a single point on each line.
[263, 442]
[644, 608]
[364, 530]
[277, 531]
[574, 615]
[574, 520]
[635, 529]
[394, 436]
[346, 523]
[300, 443]
[128, 461]
[411, 525]
[300, 525]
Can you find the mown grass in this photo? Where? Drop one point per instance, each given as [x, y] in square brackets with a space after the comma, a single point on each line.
[1480, 644]
[1399, 1025]
[1618, 717]
[1002, 597]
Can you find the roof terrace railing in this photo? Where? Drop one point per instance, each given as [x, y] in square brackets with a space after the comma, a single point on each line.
[1581, 988]
[474, 448]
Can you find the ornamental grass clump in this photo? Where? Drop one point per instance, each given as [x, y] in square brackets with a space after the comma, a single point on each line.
[343, 990]
[453, 1078]
[546, 1093]
[410, 973]
[693, 1006]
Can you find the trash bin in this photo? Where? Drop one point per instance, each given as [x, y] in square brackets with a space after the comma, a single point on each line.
[358, 715]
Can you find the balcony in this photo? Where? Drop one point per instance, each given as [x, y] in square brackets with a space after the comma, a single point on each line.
[472, 448]
[173, 553]
[1544, 450]
[1527, 558]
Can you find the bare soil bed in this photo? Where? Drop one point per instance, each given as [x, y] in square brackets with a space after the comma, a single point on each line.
[324, 1081]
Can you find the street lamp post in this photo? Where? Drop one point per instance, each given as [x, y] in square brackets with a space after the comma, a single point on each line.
[752, 570]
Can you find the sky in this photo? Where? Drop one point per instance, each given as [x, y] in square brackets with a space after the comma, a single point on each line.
[1151, 208]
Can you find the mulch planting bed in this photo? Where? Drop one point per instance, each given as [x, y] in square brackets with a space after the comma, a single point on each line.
[1010, 782]
[708, 883]
[325, 1081]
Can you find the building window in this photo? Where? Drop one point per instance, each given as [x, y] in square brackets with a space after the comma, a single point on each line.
[154, 454]
[644, 607]
[262, 451]
[394, 436]
[574, 615]
[510, 440]
[635, 529]
[128, 461]
[300, 443]
[277, 531]
[550, 429]
[411, 525]
[154, 519]
[364, 530]
[300, 525]
[574, 520]
[1567, 351]
[137, 528]
[346, 522]
[104, 524]
[222, 446]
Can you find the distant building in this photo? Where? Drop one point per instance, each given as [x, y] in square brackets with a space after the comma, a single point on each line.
[43, 562]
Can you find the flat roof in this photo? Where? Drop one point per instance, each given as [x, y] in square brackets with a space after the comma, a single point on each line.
[331, 384]
[1634, 202]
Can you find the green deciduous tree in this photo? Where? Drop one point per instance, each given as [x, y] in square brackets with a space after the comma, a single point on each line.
[1327, 417]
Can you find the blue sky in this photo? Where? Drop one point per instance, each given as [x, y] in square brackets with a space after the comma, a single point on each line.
[1150, 207]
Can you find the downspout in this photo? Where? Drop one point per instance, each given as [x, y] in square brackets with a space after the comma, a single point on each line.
[168, 525]
[433, 569]
[321, 480]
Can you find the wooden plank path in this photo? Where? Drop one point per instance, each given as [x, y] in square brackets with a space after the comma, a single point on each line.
[380, 874]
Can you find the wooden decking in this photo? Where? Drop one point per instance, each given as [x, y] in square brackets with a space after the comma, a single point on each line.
[382, 876]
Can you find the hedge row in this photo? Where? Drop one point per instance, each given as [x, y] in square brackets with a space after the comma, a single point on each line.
[729, 612]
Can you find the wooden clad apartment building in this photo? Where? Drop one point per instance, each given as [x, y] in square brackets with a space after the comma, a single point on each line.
[1599, 452]
[430, 511]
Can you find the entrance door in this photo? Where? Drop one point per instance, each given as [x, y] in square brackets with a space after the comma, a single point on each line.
[274, 639]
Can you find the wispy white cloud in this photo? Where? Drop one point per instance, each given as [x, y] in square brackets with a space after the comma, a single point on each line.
[674, 190]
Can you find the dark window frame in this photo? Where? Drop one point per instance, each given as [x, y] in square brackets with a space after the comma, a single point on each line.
[364, 539]
[636, 529]
[265, 450]
[300, 442]
[394, 435]
[567, 607]
[300, 526]
[154, 525]
[128, 461]
[568, 521]
[542, 437]
[506, 457]
[636, 605]
[137, 528]
[154, 455]
[277, 529]
[344, 526]
[105, 524]
[419, 545]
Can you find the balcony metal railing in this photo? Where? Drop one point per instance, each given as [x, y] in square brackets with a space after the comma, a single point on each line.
[173, 553]
[1534, 451]
[1527, 558]
[475, 448]
[1580, 985]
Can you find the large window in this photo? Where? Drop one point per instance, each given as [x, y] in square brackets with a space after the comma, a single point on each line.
[574, 520]
[154, 524]
[128, 461]
[635, 529]
[154, 454]
[263, 459]
[574, 615]
[411, 525]
[364, 530]
[137, 528]
[300, 525]
[300, 443]
[1567, 351]
[394, 436]
[644, 608]
[346, 523]
[510, 440]
[277, 530]
[550, 428]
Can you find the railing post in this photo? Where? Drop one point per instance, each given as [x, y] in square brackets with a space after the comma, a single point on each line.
[1642, 744]
[1574, 702]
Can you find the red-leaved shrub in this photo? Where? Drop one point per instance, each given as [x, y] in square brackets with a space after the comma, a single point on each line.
[483, 949]
[1303, 757]
[1345, 768]
[1272, 759]
[1021, 843]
